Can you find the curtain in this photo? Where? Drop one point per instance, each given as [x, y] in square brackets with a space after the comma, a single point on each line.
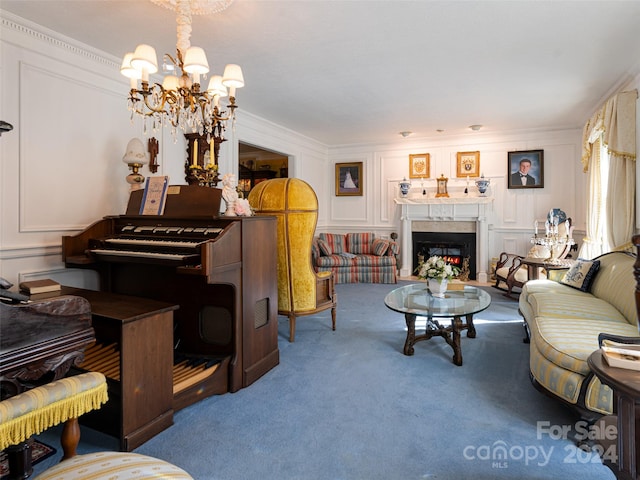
[592, 245]
[620, 138]
[615, 125]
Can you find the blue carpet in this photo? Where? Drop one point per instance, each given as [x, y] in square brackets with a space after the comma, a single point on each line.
[348, 405]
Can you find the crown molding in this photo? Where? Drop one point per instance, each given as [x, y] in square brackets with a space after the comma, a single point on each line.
[25, 29]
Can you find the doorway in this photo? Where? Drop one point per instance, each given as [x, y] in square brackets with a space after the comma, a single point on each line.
[256, 164]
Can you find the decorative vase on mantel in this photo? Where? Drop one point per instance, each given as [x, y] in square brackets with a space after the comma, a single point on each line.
[405, 186]
[438, 286]
[483, 185]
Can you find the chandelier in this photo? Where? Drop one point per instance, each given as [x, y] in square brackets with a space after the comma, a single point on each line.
[179, 100]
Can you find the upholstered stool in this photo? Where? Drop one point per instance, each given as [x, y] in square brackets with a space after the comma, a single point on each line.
[38, 409]
[113, 466]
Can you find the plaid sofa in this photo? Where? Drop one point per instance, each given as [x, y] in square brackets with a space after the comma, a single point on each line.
[356, 257]
[564, 323]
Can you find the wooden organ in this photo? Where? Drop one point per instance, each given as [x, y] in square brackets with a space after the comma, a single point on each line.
[219, 271]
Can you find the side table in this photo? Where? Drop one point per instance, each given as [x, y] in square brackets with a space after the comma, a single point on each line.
[534, 264]
[626, 403]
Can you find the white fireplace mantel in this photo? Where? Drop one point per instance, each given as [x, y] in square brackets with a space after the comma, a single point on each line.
[456, 208]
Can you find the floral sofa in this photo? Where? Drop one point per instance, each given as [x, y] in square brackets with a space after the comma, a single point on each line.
[356, 257]
[564, 319]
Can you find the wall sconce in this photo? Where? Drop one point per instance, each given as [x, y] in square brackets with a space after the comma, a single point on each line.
[135, 157]
[152, 147]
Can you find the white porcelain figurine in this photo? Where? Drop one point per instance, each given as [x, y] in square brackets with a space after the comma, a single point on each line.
[229, 193]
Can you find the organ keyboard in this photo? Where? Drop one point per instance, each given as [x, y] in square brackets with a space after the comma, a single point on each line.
[220, 272]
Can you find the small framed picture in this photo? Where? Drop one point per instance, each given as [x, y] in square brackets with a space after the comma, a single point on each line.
[468, 164]
[526, 169]
[348, 179]
[419, 165]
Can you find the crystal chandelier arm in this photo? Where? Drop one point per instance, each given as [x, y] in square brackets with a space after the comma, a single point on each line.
[155, 91]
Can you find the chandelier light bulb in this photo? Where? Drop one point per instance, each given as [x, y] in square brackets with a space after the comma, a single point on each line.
[144, 58]
[233, 78]
[127, 69]
[216, 87]
[195, 61]
[171, 83]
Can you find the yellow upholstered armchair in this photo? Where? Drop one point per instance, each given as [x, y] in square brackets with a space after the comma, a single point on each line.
[301, 291]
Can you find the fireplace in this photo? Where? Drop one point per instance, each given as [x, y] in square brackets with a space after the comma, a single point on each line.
[457, 214]
[454, 247]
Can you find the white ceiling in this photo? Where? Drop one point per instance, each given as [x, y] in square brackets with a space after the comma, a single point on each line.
[361, 71]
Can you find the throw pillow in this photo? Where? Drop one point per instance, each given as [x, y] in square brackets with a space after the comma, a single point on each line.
[336, 241]
[379, 247]
[324, 247]
[581, 274]
[360, 243]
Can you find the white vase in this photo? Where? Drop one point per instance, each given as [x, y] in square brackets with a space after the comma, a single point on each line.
[438, 286]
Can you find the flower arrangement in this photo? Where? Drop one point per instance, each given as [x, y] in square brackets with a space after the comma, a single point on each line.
[438, 268]
[242, 207]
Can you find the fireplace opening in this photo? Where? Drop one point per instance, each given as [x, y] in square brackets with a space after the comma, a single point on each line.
[454, 247]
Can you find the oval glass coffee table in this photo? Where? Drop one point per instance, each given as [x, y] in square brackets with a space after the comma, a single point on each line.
[415, 300]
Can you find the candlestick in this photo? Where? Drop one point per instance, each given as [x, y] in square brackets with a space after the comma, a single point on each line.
[535, 227]
[195, 153]
[212, 156]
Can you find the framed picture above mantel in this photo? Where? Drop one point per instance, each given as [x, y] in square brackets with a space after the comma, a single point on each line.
[468, 164]
[419, 166]
[525, 169]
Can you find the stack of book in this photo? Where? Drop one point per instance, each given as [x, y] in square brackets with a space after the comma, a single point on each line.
[621, 355]
[34, 287]
[455, 284]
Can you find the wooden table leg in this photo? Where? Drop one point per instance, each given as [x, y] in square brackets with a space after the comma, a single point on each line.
[456, 326]
[471, 328]
[411, 333]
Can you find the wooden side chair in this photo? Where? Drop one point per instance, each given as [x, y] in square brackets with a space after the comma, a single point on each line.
[301, 290]
[511, 273]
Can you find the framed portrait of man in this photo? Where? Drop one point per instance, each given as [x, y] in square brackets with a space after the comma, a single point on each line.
[526, 169]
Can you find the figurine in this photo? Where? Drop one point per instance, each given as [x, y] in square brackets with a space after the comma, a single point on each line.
[229, 193]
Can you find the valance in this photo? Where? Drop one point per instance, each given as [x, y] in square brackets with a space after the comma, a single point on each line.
[616, 121]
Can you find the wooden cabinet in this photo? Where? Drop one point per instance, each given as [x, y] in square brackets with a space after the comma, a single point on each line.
[135, 339]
